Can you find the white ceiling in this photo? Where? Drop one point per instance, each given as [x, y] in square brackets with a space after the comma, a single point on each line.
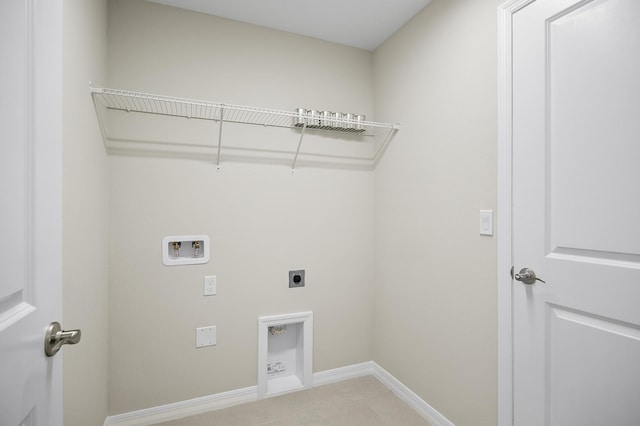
[358, 23]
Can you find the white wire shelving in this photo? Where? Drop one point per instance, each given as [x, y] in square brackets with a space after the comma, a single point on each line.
[145, 103]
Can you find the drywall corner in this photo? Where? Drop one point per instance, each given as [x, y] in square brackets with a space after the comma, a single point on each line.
[85, 220]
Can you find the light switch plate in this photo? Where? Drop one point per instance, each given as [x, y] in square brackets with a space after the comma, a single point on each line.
[205, 336]
[210, 285]
[486, 222]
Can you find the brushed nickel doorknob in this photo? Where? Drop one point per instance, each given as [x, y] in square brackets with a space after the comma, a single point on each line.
[527, 276]
[55, 337]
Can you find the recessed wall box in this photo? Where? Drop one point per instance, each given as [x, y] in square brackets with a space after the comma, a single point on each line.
[185, 250]
[296, 278]
[285, 358]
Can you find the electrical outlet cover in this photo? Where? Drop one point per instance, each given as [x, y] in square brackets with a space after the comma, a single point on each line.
[296, 278]
[205, 336]
[210, 285]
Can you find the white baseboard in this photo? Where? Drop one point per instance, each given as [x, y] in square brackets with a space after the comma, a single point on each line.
[410, 398]
[191, 407]
[178, 410]
[343, 373]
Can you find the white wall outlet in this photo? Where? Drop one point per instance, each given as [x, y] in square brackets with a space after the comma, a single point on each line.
[205, 336]
[486, 222]
[210, 285]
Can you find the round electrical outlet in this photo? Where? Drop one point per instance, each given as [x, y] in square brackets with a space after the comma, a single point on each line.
[296, 278]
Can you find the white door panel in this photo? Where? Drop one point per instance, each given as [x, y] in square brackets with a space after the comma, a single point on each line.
[593, 129]
[576, 212]
[30, 215]
[589, 383]
[14, 176]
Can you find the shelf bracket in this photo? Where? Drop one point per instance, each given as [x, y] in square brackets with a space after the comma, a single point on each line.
[220, 138]
[100, 115]
[384, 144]
[295, 159]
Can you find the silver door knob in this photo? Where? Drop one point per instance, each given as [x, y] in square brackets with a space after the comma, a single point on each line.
[55, 337]
[527, 276]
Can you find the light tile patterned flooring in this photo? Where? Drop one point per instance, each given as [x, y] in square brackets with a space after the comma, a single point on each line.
[358, 402]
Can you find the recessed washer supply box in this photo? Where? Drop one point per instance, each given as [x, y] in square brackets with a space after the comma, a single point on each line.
[185, 250]
[285, 353]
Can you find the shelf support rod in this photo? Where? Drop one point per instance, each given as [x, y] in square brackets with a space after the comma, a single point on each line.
[220, 138]
[295, 159]
[384, 145]
[99, 114]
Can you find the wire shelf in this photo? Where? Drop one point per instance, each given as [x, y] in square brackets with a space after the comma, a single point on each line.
[146, 103]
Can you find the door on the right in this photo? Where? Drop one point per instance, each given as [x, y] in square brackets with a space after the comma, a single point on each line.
[576, 213]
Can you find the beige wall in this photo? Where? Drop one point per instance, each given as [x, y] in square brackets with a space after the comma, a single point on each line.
[85, 220]
[262, 220]
[435, 294]
[435, 297]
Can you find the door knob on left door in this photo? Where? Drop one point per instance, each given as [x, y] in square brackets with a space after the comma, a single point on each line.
[55, 337]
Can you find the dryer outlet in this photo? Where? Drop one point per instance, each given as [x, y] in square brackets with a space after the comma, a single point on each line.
[296, 278]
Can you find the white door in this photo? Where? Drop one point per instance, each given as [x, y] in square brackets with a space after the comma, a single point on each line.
[576, 213]
[30, 210]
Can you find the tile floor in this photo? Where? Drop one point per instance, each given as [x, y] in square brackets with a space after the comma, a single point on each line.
[358, 402]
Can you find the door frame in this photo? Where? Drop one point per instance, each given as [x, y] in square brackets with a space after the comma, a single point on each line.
[505, 208]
